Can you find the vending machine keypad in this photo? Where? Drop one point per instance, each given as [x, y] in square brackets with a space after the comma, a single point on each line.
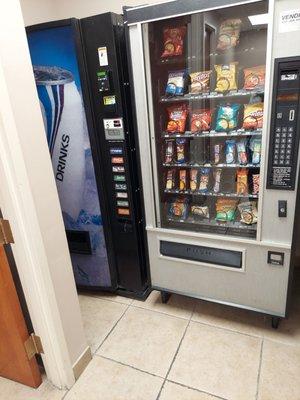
[284, 135]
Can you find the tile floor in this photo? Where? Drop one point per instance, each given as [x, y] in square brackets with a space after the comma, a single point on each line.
[184, 350]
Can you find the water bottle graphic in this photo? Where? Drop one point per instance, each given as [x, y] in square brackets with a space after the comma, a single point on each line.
[65, 126]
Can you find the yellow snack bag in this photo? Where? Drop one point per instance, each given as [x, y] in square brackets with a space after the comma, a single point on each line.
[226, 77]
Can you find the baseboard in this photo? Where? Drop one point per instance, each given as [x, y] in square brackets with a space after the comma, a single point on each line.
[82, 362]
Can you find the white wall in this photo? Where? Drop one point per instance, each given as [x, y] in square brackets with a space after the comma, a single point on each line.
[36, 11]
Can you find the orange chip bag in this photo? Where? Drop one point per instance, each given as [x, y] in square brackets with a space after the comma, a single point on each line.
[253, 116]
[254, 78]
[173, 41]
[229, 33]
[201, 120]
[177, 118]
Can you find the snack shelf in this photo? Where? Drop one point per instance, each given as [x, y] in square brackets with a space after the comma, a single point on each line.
[204, 134]
[214, 223]
[219, 194]
[211, 95]
[186, 165]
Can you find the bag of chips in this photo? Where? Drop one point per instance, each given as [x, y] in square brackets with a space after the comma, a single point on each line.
[170, 183]
[180, 150]
[177, 118]
[226, 209]
[242, 182]
[255, 146]
[217, 177]
[253, 116]
[248, 211]
[255, 183]
[194, 174]
[173, 41]
[229, 33]
[227, 117]
[254, 78]
[230, 151]
[226, 77]
[178, 208]
[169, 155]
[242, 152]
[176, 83]
[204, 179]
[217, 153]
[182, 179]
[201, 120]
[200, 211]
[200, 82]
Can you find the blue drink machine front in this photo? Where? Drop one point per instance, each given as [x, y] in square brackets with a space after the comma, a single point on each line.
[56, 72]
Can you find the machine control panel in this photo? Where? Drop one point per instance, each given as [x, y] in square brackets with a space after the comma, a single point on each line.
[285, 129]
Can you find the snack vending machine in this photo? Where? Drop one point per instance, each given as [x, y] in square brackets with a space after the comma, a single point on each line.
[217, 102]
[81, 73]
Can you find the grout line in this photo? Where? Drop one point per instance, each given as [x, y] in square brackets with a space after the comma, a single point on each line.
[97, 297]
[115, 324]
[259, 369]
[175, 355]
[196, 390]
[130, 366]
[159, 312]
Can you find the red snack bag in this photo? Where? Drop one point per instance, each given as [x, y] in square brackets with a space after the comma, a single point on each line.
[254, 77]
[173, 41]
[177, 118]
[201, 120]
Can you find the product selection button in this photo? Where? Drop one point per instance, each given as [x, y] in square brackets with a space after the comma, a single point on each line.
[122, 195]
[123, 211]
[122, 203]
[119, 178]
[117, 160]
[117, 168]
[284, 129]
[120, 186]
[116, 150]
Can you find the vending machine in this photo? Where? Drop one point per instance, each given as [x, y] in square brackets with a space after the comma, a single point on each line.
[217, 88]
[81, 73]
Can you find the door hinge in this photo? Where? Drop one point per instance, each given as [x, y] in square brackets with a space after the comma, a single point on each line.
[33, 346]
[5, 232]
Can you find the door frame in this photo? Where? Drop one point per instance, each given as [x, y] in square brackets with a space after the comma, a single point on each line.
[20, 204]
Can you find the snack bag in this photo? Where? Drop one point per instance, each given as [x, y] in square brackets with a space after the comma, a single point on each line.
[230, 151]
[204, 179]
[255, 182]
[242, 153]
[200, 82]
[182, 179]
[254, 78]
[229, 33]
[178, 208]
[227, 117]
[248, 211]
[194, 173]
[177, 118]
[173, 41]
[200, 211]
[217, 177]
[176, 83]
[180, 150]
[226, 210]
[217, 153]
[242, 182]
[169, 155]
[253, 116]
[255, 146]
[226, 77]
[201, 120]
[170, 183]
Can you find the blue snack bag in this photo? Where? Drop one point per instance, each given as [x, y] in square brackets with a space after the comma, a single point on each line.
[176, 83]
[230, 151]
[227, 117]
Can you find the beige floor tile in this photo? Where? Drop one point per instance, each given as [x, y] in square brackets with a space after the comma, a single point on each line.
[10, 390]
[108, 380]
[109, 296]
[179, 306]
[227, 317]
[99, 316]
[280, 372]
[289, 328]
[218, 361]
[172, 391]
[145, 339]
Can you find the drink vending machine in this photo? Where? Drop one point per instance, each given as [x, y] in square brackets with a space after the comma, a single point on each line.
[81, 73]
[217, 89]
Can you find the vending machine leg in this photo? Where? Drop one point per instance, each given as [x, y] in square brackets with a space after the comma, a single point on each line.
[275, 322]
[165, 297]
